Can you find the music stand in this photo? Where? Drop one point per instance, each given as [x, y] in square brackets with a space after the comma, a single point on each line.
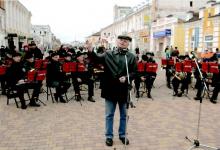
[196, 143]
[37, 76]
[151, 68]
[141, 69]
[70, 68]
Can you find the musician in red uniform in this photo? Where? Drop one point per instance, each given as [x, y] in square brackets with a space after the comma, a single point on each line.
[81, 76]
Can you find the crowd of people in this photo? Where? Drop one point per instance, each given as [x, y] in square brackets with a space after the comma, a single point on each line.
[115, 69]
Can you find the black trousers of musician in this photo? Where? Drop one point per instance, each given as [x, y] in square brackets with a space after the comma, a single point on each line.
[61, 87]
[168, 77]
[3, 84]
[88, 81]
[215, 91]
[184, 85]
[22, 88]
[148, 82]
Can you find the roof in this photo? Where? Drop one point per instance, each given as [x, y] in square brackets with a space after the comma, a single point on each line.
[194, 18]
[97, 34]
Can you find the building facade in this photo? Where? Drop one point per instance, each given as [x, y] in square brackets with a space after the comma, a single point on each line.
[136, 25]
[18, 24]
[2, 23]
[204, 33]
[56, 43]
[139, 21]
[167, 31]
[42, 36]
[94, 39]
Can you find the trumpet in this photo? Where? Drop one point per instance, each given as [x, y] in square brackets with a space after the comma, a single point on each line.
[180, 75]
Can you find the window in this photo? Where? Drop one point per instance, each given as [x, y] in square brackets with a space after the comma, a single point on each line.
[191, 3]
[209, 41]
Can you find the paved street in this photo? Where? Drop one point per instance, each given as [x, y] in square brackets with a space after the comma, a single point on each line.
[159, 124]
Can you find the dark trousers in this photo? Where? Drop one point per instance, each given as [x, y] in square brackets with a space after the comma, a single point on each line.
[184, 84]
[148, 82]
[168, 76]
[61, 87]
[215, 91]
[22, 88]
[87, 81]
[3, 83]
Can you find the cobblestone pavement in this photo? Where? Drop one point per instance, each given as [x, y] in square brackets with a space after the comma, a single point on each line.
[159, 124]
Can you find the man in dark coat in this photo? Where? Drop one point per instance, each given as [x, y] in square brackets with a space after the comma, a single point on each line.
[115, 84]
[35, 51]
[82, 76]
[56, 78]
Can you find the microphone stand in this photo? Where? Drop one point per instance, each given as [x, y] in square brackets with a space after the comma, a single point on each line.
[196, 143]
[129, 102]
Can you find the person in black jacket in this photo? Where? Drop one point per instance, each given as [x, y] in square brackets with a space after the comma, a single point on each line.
[35, 51]
[115, 84]
[28, 65]
[83, 76]
[56, 78]
[16, 80]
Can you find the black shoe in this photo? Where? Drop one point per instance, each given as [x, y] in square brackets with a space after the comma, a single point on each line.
[149, 96]
[3, 93]
[123, 140]
[197, 98]
[23, 106]
[62, 100]
[169, 87]
[175, 94]
[137, 95]
[78, 97]
[213, 101]
[91, 99]
[34, 104]
[180, 94]
[56, 97]
[109, 142]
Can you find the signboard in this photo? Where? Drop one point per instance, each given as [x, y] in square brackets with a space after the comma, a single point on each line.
[159, 34]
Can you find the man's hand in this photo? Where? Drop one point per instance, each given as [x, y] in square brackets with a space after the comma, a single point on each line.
[122, 79]
[21, 82]
[143, 78]
[79, 80]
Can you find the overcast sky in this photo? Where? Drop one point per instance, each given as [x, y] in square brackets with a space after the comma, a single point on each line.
[74, 19]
